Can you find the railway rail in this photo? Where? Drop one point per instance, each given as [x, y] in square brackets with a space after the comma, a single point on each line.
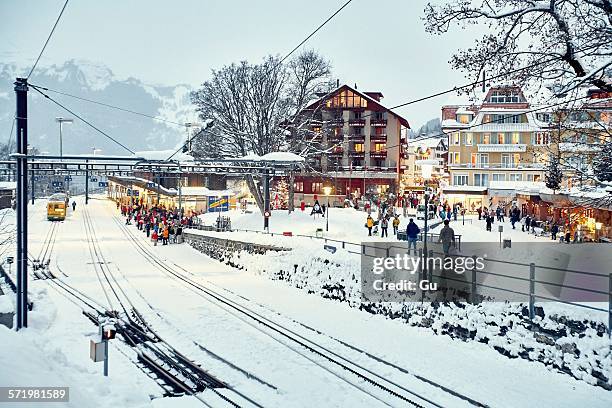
[365, 374]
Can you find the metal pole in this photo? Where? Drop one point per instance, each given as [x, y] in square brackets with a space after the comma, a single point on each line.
[158, 188]
[21, 93]
[61, 150]
[531, 290]
[180, 193]
[610, 307]
[266, 198]
[473, 290]
[105, 358]
[33, 186]
[327, 216]
[86, 182]
[425, 233]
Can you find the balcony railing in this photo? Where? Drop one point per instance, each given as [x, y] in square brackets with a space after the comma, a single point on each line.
[504, 148]
[357, 122]
[356, 154]
[535, 166]
[378, 122]
[357, 137]
[379, 136]
[378, 154]
[336, 122]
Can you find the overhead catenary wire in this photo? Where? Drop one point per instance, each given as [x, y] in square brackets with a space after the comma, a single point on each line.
[84, 120]
[48, 39]
[448, 133]
[109, 105]
[314, 32]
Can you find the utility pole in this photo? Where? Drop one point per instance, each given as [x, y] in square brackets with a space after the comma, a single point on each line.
[33, 185]
[180, 192]
[86, 182]
[21, 94]
[266, 199]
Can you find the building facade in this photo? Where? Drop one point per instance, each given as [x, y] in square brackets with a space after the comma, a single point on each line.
[500, 140]
[357, 146]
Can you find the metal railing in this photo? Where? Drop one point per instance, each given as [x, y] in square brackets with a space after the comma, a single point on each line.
[531, 278]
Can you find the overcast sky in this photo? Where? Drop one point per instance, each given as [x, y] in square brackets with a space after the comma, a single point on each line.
[380, 45]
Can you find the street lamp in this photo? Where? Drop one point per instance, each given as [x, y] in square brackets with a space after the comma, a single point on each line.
[327, 191]
[61, 121]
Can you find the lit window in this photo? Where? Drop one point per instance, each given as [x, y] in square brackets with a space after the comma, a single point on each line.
[468, 139]
[455, 137]
[359, 147]
[516, 138]
[380, 147]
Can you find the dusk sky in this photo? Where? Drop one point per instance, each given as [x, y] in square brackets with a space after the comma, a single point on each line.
[379, 45]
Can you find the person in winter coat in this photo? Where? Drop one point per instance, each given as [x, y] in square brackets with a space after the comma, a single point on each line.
[369, 224]
[73, 205]
[384, 226]
[165, 235]
[554, 231]
[489, 221]
[154, 238]
[148, 229]
[534, 224]
[412, 232]
[527, 224]
[396, 223]
[479, 211]
[447, 237]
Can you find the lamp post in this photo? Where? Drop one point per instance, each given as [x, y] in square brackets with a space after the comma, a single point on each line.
[598, 226]
[327, 191]
[61, 121]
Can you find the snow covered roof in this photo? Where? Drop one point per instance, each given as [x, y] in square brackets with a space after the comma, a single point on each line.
[274, 156]
[8, 185]
[522, 186]
[450, 189]
[163, 155]
[203, 191]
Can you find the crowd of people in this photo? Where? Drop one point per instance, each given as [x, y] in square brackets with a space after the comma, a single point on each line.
[158, 223]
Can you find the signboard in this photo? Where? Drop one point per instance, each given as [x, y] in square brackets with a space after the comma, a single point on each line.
[135, 193]
[57, 184]
[150, 185]
[96, 351]
[218, 204]
[102, 183]
[267, 214]
[94, 179]
[68, 178]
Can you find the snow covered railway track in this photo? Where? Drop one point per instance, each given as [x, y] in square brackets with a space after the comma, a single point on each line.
[43, 259]
[364, 374]
[174, 372]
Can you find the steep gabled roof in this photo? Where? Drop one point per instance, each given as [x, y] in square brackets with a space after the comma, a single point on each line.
[313, 105]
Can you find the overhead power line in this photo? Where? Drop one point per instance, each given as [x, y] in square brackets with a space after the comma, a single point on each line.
[84, 120]
[48, 39]
[109, 105]
[441, 134]
[314, 32]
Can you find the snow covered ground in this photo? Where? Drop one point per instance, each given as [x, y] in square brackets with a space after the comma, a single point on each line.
[55, 346]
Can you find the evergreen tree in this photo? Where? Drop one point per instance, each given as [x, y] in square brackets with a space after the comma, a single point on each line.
[553, 175]
[602, 164]
[282, 191]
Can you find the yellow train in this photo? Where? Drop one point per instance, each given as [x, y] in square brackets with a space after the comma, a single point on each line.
[56, 207]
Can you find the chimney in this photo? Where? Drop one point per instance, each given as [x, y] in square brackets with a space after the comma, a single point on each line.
[338, 83]
[355, 85]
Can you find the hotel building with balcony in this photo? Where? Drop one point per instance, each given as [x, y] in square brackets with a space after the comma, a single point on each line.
[360, 146]
[499, 143]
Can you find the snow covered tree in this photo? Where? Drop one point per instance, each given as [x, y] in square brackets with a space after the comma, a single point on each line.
[554, 174]
[563, 42]
[602, 164]
[249, 104]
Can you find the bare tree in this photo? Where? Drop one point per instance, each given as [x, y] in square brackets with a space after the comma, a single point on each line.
[251, 104]
[565, 43]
